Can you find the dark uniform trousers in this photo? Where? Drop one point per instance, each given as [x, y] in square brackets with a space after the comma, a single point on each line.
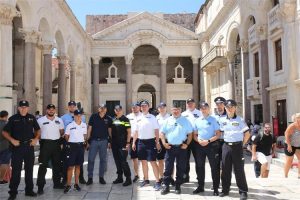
[211, 152]
[120, 157]
[191, 149]
[221, 143]
[233, 155]
[49, 150]
[25, 153]
[181, 157]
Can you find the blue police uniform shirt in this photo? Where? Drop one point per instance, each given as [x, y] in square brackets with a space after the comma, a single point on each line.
[233, 128]
[206, 127]
[69, 118]
[176, 130]
[218, 117]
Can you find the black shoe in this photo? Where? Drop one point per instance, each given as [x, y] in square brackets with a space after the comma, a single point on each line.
[67, 189]
[127, 182]
[40, 191]
[102, 181]
[89, 182]
[223, 194]
[177, 189]
[186, 179]
[136, 178]
[12, 197]
[243, 196]
[165, 190]
[77, 188]
[118, 180]
[198, 190]
[82, 181]
[216, 193]
[30, 194]
[58, 186]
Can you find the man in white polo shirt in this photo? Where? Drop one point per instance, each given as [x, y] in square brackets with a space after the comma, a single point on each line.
[146, 130]
[52, 128]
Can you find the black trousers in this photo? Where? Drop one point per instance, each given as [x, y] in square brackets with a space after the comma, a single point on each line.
[120, 157]
[233, 155]
[25, 153]
[49, 150]
[211, 151]
[181, 157]
[191, 149]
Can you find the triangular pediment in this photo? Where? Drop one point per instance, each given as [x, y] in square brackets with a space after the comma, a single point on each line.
[145, 23]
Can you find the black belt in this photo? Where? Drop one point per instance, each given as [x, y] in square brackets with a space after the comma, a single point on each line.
[25, 142]
[145, 140]
[48, 140]
[233, 143]
[175, 145]
[99, 139]
[75, 143]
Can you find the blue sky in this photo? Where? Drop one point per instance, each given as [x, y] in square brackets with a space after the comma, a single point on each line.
[81, 8]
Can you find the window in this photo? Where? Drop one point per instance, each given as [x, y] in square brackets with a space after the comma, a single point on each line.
[278, 55]
[256, 64]
[182, 104]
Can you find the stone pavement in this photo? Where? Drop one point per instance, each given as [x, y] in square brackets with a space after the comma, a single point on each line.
[275, 187]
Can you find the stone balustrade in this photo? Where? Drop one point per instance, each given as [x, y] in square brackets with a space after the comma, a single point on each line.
[214, 53]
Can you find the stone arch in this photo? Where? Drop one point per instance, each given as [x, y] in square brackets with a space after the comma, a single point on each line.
[248, 21]
[60, 43]
[232, 35]
[26, 12]
[45, 30]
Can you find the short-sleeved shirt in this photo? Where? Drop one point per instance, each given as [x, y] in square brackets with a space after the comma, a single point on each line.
[133, 119]
[176, 130]
[206, 127]
[69, 117]
[100, 126]
[233, 128]
[161, 119]
[218, 117]
[22, 127]
[146, 126]
[4, 144]
[50, 129]
[119, 130]
[192, 115]
[264, 143]
[76, 132]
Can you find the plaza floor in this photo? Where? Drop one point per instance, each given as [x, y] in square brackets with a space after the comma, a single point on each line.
[275, 187]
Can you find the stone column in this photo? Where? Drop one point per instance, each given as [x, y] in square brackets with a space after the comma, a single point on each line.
[47, 75]
[7, 12]
[72, 80]
[245, 70]
[230, 74]
[196, 78]
[31, 38]
[163, 79]
[96, 61]
[61, 84]
[128, 61]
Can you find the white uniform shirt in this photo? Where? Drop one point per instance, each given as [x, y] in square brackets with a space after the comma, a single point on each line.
[50, 128]
[76, 132]
[192, 115]
[133, 119]
[145, 126]
[161, 119]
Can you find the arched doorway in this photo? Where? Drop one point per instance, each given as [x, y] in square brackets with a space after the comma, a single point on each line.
[147, 92]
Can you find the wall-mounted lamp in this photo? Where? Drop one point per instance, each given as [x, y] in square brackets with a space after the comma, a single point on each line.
[258, 88]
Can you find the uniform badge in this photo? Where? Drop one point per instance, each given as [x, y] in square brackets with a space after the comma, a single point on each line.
[57, 122]
[235, 124]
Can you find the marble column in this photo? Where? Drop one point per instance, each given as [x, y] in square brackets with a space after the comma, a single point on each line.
[31, 38]
[163, 79]
[7, 12]
[196, 78]
[245, 70]
[96, 85]
[230, 74]
[128, 61]
[47, 75]
[72, 80]
[61, 85]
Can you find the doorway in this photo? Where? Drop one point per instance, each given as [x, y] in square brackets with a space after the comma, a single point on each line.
[281, 115]
[147, 92]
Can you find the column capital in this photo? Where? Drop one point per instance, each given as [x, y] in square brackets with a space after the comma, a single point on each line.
[287, 10]
[244, 44]
[195, 59]
[7, 13]
[46, 47]
[96, 59]
[30, 35]
[230, 56]
[163, 59]
[129, 59]
[62, 59]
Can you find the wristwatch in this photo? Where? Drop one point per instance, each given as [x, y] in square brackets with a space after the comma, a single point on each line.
[208, 141]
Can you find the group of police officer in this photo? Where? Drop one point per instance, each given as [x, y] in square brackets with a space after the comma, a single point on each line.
[159, 140]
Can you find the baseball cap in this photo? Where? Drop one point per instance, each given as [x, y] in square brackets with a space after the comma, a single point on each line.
[145, 103]
[204, 105]
[162, 104]
[219, 100]
[230, 102]
[77, 112]
[51, 106]
[72, 103]
[103, 105]
[190, 100]
[135, 104]
[24, 103]
[118, 107]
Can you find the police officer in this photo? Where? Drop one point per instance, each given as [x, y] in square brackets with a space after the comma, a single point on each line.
[67, 119]
[75, 136]
[52, 128]
[176, 135]
[121, 135]
[206, 135]
[236, 133]
[191, 113]
[99, 132]
[161, 118]
[133, 116]
[23, 132]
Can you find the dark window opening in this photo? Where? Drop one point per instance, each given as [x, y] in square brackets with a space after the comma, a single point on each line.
[256, 64]
[278, 55]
